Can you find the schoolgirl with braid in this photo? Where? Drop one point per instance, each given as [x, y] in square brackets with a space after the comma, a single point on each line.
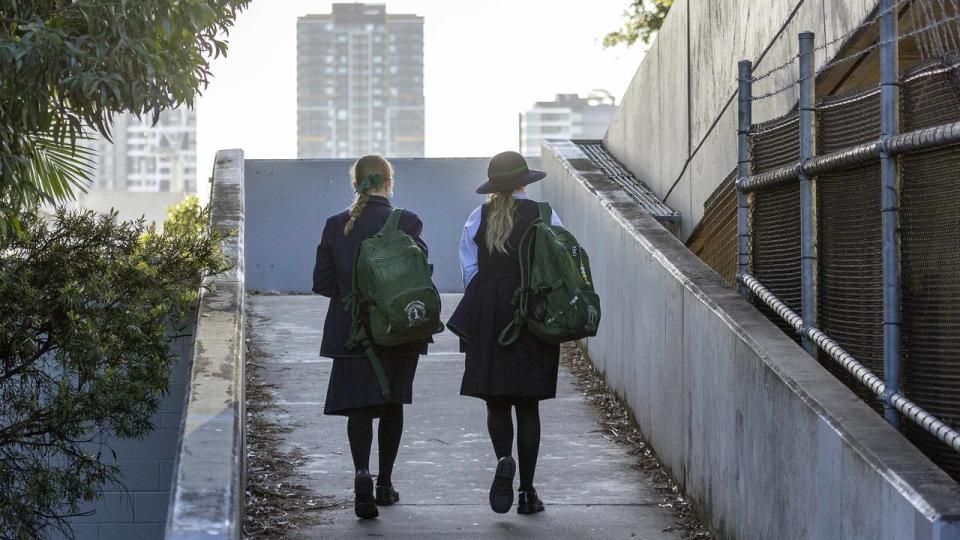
[353, 390]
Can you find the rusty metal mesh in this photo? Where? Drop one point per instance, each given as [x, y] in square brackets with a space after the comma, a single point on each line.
[850, 273]
[930, 94]
[930, 243]
[715, 238]
[775, 217]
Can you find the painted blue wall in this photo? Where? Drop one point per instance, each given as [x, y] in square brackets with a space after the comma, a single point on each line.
[288, 201]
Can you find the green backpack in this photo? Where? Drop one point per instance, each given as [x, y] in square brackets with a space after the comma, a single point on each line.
[394, 300]
[555, 300]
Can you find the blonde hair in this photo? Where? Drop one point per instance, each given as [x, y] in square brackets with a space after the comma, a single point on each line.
[366, 166]
[500, 208]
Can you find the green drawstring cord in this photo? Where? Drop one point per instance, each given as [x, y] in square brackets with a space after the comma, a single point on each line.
[512, 331]
[369, 181]
[352, 302]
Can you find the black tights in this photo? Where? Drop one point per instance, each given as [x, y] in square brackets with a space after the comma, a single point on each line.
[389, 430]
[500, 426]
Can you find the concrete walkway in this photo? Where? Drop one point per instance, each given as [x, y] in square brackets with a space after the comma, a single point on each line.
[446, 461]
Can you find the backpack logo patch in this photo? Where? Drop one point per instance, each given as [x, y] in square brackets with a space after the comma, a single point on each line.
[592, 315]
[416, 312]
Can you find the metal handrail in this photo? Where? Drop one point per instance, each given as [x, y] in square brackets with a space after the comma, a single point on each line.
[861, 154]
[898, 401]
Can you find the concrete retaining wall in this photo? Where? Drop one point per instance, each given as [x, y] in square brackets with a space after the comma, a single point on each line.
[765, 441]
[208, 479]
[676, 125]
[288, 202]
[138, 507]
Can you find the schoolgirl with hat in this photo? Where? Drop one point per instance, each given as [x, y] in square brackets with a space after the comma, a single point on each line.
[514, 377]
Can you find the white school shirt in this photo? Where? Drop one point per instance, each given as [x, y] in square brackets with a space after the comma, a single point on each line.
[469, 251]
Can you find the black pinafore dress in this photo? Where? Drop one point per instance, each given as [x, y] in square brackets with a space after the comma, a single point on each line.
[525, 369]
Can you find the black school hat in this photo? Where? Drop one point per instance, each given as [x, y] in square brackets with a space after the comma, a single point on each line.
[508, 171]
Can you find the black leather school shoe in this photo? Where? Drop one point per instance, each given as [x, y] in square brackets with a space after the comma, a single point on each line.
[386, 495]
[529, 503]
[501, 491]
[364, 504]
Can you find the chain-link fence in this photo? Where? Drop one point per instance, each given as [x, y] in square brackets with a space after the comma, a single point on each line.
[775, 217]
[849, 271]
[850, 320]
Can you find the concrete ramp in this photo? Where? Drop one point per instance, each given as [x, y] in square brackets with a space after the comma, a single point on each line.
[446, 461]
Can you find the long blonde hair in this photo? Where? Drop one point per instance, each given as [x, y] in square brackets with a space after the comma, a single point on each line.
[364, 167]
[500, 208]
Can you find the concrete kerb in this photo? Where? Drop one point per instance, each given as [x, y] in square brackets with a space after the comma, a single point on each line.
[918, 495]
[206, 498]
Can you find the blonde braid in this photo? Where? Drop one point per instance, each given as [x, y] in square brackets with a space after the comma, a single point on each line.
[358, 205]
[500, 208]
[368, 173]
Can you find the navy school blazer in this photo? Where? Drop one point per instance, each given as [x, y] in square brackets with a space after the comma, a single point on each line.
[333, 272]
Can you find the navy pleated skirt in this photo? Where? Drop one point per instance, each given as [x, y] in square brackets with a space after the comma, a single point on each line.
[353, 384]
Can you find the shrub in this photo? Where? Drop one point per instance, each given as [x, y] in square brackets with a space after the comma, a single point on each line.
[87, 304]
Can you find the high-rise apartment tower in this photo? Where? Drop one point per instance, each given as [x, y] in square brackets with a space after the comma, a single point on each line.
[360, 83]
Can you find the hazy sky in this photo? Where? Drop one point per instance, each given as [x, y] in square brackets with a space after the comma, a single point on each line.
[484, 61]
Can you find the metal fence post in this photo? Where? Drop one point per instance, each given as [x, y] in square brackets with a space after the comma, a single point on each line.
[744, 122]
[808, 202]
[889, 126]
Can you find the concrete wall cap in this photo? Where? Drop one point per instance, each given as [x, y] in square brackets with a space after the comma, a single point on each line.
[206, 498]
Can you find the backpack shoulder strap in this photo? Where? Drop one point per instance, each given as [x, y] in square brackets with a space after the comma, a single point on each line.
[521, 296]
[378, 370]
[546, 213]
[393, 222]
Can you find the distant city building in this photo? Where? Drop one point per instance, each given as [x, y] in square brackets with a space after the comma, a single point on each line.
[146, 168]
[142, 157]
[360, 83]
[569, 116]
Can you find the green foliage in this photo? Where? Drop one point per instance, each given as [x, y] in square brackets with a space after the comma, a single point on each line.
[185, 217]
[87, 308]
[68, 66]
[644, 19]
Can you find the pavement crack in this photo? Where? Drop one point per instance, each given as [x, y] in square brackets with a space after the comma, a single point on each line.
[439, 441]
